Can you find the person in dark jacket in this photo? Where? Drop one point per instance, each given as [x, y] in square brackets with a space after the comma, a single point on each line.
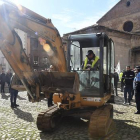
[3, 80]
[8, 77]
[116, 80]
[50, 99]
[127, 79]
[13, 94]
[136, 86]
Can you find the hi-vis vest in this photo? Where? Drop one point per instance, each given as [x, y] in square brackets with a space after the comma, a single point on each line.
[93, 63]
[120, 76]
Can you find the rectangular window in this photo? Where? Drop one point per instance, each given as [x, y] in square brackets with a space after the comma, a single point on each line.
[75, 56]
[89, 80]
[105, 61]
[36, 60]
[45, 60]
[34, 43]
[89, 83]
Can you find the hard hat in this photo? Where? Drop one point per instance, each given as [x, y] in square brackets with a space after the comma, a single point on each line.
[90, 52]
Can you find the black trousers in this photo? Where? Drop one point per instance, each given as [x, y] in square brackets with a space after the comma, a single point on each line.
[116, 91]
[122, 87]
[50, 99]
[127, 89]
[137, 97]
[132, 94]
[2, 87]
[13, 96]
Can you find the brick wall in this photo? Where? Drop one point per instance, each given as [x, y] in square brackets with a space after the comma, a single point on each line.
[119, 14]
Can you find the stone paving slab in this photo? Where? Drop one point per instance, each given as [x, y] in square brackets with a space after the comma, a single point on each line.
[20, 123]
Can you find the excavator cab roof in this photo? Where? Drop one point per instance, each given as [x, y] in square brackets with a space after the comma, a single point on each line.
[89, 39]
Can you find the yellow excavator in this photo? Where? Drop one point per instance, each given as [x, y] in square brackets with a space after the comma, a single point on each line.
[77, 92]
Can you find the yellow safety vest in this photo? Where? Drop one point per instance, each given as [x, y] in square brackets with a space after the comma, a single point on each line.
[120, 76]
[93, 63]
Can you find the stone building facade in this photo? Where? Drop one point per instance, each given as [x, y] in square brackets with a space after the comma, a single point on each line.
[124, 16]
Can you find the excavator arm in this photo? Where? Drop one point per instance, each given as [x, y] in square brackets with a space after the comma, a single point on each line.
[16, 16]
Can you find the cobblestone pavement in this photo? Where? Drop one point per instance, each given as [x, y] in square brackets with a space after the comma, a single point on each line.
[20, 123]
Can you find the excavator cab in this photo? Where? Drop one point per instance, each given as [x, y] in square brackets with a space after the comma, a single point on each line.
[97, 82]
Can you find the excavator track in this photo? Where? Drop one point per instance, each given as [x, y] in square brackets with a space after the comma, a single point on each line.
[46, 121]
[101, 122]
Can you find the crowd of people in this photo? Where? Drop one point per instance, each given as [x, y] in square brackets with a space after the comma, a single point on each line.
[8, 78]
[5, 78]
[130, 85]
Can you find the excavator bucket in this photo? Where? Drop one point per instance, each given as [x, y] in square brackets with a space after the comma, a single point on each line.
[58, 82]
[49, 82]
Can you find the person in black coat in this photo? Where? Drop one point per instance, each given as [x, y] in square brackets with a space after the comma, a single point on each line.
[8, 77]
[136, 86]
[3, 80]
[127, 79]
[116, 80]
[50, 99]
[13, 94]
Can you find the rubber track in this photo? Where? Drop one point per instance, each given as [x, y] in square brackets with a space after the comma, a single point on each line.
[100, 121]
[46, 121]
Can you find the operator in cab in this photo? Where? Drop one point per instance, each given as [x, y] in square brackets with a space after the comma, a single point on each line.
[91, 61]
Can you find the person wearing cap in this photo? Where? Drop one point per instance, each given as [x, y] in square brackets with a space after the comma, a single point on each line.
[91, 61]
[50, 99]
[13, 92]
[136, 86]
[3, 80]
[127, 79]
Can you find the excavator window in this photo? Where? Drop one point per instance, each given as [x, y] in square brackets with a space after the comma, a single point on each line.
[89, 80]
[75, 55]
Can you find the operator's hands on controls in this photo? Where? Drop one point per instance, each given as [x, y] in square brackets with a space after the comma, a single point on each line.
[88, 69]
